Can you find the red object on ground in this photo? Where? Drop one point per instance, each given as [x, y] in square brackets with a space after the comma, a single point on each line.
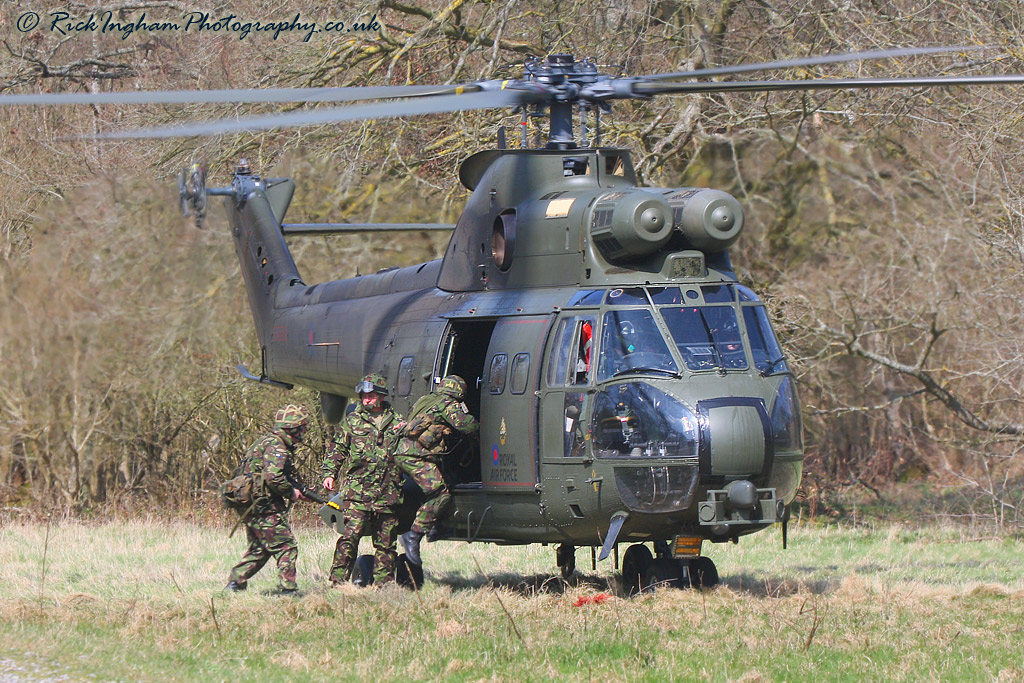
[591, 599]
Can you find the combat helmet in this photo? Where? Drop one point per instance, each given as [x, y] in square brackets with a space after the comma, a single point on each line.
[291, 417]
[454, 386]
[373, 382]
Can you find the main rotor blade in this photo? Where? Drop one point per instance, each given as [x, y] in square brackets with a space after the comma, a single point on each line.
[809, 61]
[346, 94]
[483, 99]
[823, 84]
[340, 228]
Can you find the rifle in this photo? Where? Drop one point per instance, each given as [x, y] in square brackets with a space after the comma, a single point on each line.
[308, 492]
[296, 481]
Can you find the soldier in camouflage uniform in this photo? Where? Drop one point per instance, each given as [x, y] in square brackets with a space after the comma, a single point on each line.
[433, 422]
[361, 463]
[266, 522]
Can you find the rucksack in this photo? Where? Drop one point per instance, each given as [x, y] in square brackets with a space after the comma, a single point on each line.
[242, 489]
[237, 492]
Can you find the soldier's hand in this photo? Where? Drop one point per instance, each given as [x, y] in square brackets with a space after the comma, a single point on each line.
[297, 495]
[328, 483]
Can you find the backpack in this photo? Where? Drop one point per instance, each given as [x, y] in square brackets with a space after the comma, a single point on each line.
[421, 421]
[241, 491]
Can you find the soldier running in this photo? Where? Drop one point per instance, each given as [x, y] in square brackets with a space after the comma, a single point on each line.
[269, 460]
[434, 419]
[363, 454]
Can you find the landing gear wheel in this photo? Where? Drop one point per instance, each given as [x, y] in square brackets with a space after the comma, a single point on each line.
[635, 563]
[703, 573]
[408, 574]
[565, 556]
[661, 573]
[362, 571]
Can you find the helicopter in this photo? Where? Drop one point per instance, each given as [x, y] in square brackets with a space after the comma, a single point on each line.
[630, 389]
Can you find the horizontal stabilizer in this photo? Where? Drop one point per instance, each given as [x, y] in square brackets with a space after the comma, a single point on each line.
[263, 380]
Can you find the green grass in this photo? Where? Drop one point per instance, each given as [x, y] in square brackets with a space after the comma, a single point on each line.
[142, 601]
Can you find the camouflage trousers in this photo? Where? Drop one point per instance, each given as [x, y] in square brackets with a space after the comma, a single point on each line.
[269, 536]
[428, 477]
[379, 525]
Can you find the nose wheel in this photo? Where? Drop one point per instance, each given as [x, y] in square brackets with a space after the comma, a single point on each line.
[703, 573]
[642, 572]
[636, 563]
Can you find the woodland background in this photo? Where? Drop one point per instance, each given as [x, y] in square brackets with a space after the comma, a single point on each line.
[885, 229]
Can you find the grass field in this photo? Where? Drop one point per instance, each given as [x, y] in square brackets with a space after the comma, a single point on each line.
[142, 601]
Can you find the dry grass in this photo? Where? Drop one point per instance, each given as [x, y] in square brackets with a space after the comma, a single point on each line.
[888, 604]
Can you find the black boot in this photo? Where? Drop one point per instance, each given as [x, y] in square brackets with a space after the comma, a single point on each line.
[411, 544]
[235, 587]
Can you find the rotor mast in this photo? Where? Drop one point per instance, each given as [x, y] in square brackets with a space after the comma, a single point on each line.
[564, 79]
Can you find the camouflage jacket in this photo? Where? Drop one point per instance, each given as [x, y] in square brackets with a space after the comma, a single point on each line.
[361, 458]
[271, 457]
[433, 422]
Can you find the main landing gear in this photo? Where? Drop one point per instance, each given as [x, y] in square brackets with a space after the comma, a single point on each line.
[643, 572]
[565, 557]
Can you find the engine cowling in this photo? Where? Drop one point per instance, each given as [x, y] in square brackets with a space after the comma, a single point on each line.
[711, 220]
[630, 225]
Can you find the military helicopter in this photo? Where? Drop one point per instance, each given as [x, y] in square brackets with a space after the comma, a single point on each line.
[629, 388]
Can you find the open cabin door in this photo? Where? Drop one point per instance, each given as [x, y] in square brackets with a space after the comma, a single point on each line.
[463, 353]
[508, 410]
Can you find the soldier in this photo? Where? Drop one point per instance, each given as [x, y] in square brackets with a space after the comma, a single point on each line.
[363, 455]
[269, 461]
[434, 419]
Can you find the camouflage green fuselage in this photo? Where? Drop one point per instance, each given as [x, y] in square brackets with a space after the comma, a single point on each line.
[609, 376]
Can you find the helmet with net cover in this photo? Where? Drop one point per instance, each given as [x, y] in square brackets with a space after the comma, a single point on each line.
[373, 382]
[453, 386]
[291, 417]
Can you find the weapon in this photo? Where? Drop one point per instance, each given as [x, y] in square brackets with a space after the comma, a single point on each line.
[296, 481]
[309, 493]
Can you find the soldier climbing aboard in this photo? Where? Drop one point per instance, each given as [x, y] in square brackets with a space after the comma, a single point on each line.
[432, 424]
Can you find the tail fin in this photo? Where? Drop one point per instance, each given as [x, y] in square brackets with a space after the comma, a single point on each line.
[257, 208]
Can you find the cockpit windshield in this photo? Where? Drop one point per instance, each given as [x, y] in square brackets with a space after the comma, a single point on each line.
[632, 342]
[763, 344]
[707, 336]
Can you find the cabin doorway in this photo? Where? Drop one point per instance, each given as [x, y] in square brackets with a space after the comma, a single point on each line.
[463, 353]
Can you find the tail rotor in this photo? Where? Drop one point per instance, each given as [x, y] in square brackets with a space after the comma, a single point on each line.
[192, 192]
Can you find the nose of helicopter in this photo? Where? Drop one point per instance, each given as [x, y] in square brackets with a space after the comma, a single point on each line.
[736, 434]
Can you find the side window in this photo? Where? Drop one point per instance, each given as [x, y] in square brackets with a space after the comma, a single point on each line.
[558, 359]
[496, 376]
[520, 373]
[584, 343]
[570, 356]
[404, 387]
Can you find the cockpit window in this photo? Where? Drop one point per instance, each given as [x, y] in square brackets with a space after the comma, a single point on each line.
[629, 296]
[586, 297]
[631, 342]
[636, 419]
[666, 296]
[746, 293]
[707, 336]
[569, 363]
[763, 345]
[717, 294]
